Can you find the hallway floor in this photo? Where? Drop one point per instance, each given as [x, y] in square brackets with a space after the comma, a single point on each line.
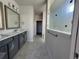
[33, 50]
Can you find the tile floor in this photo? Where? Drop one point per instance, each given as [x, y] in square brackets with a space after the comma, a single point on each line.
[33, 50]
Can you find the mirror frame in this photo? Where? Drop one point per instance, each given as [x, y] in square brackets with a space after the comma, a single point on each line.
[2, 15]
[6, 18]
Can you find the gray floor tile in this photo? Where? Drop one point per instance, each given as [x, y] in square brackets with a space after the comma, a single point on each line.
[33, 50]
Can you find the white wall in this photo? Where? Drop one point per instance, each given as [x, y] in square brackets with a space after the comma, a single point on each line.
[49, 3]
[44, 22]
[27, 16]
[34, 27]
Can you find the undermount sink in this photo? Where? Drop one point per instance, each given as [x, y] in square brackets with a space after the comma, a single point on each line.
[3, 35]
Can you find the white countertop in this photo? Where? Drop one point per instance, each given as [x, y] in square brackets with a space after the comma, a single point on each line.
[8, 35]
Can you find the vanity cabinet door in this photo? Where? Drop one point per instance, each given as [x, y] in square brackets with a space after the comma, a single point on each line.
[21, 40]
[25, 36]
[13, 47]
[17, 41]
[4, 52]
[5, 42]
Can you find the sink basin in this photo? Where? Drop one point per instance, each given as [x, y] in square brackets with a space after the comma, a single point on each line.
[3, 35]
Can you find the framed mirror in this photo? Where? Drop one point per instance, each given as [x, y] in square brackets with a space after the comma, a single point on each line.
[12, 18]
[1, 16]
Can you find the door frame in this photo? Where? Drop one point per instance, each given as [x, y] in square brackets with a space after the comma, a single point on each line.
[37, 28]
[75, 26]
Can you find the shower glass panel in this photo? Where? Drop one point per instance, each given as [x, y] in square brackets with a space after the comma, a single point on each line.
[60, 16]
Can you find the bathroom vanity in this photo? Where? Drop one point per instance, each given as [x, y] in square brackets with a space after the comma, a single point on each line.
[11, 44]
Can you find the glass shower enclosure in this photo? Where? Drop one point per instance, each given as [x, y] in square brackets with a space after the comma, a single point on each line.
[60, 17]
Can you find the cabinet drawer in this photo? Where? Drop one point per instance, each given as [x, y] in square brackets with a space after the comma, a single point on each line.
[21, 40]
[4, 42]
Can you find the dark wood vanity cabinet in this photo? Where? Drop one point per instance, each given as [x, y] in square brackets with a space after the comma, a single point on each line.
[9, 47]
[17, 42]
[13, 47]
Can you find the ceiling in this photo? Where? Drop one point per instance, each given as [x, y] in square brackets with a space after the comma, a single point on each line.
[37, 4]
[30, 2]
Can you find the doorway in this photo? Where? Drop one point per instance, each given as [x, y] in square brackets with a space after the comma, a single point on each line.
[39, 28]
